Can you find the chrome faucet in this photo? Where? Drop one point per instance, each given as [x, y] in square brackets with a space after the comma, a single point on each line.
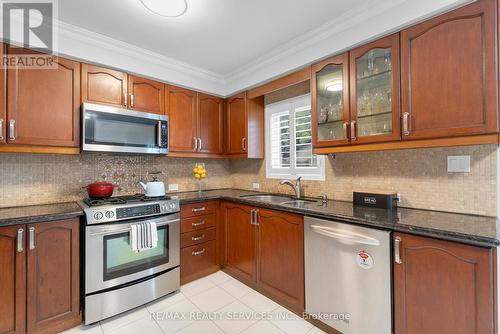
[296, 187]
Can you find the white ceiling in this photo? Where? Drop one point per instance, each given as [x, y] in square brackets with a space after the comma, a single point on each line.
[216, 35]
[225, 46]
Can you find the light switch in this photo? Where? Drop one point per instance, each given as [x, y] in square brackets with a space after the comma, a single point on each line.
[173, 187]
[459, 164]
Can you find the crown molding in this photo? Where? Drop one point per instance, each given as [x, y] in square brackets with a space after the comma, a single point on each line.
[95, 48]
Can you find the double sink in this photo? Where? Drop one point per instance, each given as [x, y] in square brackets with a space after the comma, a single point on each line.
[280, 200]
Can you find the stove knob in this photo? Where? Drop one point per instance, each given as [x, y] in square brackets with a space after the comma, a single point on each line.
[98, 215]
[110, 214]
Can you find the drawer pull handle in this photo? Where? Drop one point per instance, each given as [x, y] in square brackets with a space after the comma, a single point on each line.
[198, 209]
[196, 253]
[198, 238]
[198, 224]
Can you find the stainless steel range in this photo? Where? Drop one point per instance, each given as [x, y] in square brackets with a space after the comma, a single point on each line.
[117, 278]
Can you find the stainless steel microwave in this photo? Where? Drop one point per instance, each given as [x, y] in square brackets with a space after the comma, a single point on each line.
[111, 129]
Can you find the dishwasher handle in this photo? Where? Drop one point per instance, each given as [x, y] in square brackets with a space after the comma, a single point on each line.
[344, 235]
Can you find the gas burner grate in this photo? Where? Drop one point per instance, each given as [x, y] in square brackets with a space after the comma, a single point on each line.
[123, 199]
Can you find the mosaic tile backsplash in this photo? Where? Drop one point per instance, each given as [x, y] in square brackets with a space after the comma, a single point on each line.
[420, 176]
[27, 179]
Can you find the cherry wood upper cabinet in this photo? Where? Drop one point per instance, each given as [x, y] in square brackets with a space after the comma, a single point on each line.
[3, 98]
[449, 74]
[103, 85]
[210, 126]
[236, 124]
[240, 245]
[330, 114]
[281, 256]
[12, 280]
[443, 287]
[146, 95]
[44, 105]
[375, 91]
[182, 113]
[53, 267]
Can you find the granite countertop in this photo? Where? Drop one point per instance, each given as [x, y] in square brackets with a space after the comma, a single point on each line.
[39, 213]
[470, 229]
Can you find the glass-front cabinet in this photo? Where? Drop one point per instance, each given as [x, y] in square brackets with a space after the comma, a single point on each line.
[356, 96]
[374, 91]
[330, 102]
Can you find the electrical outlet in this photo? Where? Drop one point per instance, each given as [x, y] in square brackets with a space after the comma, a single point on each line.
[173, 187]
[256, 186]
[398, 197]
[459, 164]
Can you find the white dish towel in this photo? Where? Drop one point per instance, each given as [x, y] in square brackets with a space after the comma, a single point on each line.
[143, 236]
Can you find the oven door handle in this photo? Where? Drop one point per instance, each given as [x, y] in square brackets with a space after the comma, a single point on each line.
[122, 230]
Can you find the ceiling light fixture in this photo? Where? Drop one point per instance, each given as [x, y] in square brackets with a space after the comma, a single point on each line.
[166, 8]
[334, 86]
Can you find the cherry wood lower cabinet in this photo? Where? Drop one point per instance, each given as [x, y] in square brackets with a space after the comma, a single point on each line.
[240, 251]
[199, 240]
[41, 277]
[443, 287]
[265, 249]
[12, 281]
[280, 269]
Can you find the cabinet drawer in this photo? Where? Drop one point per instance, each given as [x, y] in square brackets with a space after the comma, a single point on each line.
[198, 261]
[197, 223]
[197, 237]
[198, 209]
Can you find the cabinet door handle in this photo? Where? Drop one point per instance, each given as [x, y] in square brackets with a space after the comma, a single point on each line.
[198, 224]
[12, 129]
[254, 219]
[198, 237]
[244, 144]
[198, 209]
[132, 101]
[353, 130]
[125, 100]
[20, 240]
[406, 128]
[346, 136]
[199, 144]
[32, 238]
[1, 129]
[397, 256]
[195, 253]
[195, 147]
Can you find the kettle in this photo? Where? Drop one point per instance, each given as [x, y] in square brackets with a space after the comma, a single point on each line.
[153, 188]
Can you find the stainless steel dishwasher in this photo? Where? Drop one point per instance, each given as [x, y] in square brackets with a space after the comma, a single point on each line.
[348, 276]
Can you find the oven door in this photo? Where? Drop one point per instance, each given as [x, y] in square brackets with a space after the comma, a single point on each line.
[110, 129]
[110, 261]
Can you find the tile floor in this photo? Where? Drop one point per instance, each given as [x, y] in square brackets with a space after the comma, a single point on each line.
[216, 304]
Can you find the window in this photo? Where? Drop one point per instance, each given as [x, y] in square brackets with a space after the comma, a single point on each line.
[288, 141]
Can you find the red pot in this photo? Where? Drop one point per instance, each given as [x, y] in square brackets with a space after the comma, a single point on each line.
[100, 189]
